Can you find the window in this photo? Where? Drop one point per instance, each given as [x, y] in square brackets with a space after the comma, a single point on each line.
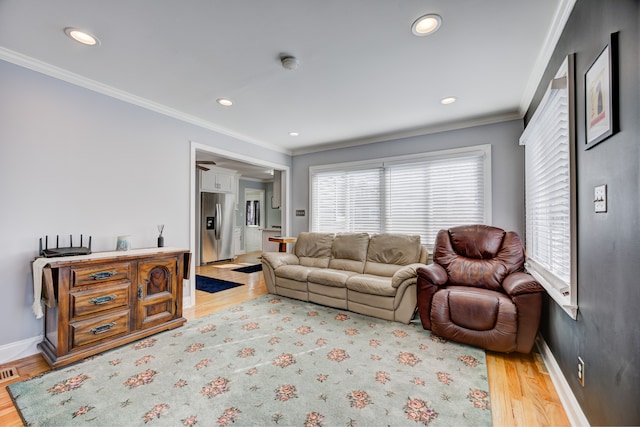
[408, 194]
[550, 191]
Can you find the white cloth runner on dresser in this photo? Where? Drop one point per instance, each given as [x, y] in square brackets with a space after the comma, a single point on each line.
[40, 263]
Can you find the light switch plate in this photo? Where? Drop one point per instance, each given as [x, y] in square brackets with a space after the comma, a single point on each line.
[600, 198]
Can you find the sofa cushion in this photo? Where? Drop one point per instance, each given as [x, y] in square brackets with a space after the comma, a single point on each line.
[294, 272]
[330, 277]
[349, 252]
[388, 252]
[314, 249]
[371, 284]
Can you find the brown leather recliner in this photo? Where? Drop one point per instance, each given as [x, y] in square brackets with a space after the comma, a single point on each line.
[476, 291]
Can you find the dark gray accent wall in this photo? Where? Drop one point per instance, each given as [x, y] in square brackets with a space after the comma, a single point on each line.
[606, 334]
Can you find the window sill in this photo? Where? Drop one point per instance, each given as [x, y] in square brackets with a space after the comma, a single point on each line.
[564, 301]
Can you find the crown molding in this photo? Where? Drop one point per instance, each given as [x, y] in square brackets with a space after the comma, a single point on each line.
[410, 133]
[565, 7]
[84, 82]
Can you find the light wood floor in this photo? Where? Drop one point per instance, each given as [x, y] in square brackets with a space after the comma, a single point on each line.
[521, 390]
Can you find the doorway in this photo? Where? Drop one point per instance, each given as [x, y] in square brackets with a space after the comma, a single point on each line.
[197, 150]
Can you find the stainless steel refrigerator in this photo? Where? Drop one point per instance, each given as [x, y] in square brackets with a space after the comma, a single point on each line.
[216, 225]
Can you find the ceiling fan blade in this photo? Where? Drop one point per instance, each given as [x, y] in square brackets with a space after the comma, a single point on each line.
[202, 168]
[205, 162]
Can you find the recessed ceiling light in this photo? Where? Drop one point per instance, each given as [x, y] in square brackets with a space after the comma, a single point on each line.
[448, 100]
[81, 36]
[294, 134]
[224, 102]
[426, 24]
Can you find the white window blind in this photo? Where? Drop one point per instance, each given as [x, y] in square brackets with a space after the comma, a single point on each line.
[435, 194]
[549, 195]
[346, 201]
[417, 195]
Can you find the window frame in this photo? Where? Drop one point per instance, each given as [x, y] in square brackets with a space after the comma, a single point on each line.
[554, 286]
[484, 149]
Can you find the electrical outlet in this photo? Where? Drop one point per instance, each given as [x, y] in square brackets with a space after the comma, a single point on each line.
[600, 198]
[580, 371]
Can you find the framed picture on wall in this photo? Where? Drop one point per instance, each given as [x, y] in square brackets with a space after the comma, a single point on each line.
[601, 95]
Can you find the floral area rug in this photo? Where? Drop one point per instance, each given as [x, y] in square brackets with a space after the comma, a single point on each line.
[271, 361]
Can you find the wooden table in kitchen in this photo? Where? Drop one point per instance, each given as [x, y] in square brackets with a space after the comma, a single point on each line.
[282, 242]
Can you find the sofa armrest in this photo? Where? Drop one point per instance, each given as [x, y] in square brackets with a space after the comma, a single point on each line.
[519, 283]
[434, 274]
[277, 259]
[407, 272]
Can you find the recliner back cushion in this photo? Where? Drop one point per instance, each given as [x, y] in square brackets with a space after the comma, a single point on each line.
[314, 249]
[476, 241]
[478, 255]
[349, 252]
[388, 252]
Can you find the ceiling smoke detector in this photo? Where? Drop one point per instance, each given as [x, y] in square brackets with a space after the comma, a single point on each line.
[289, 62]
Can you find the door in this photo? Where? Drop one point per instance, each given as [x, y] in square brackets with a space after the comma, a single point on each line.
[254, 219]
[226, 215]
[216, 224]
[209, 240]
[156, 291]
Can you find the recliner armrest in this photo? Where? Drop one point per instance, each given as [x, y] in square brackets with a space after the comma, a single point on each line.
[434, 273]
[519, 283]
[430, 278]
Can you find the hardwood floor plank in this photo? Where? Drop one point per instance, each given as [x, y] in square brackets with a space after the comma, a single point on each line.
[522, 393]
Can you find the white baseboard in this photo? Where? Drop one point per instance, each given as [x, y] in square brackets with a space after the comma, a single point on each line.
[187, 302]
[567, 398]
[19, 349]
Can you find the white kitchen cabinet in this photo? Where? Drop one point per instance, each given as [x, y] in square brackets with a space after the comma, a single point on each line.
[218, 181]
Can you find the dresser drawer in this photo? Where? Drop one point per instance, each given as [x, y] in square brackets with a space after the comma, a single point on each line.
[99, 328]
[99, 299]
[102, 273]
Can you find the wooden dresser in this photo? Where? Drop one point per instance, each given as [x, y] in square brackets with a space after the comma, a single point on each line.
[97, 302]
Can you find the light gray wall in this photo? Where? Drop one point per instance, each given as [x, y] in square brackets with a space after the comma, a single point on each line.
[605, 334]
[273, 215]
[507, 167]
[74, 161]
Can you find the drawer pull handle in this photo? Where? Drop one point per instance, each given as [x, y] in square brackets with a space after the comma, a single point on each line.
[102, 329]
[103, 299]
[103, 275]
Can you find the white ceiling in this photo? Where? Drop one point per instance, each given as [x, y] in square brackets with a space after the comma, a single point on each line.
[363, 76]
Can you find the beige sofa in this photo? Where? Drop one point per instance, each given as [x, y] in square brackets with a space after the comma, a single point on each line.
[373, 275]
